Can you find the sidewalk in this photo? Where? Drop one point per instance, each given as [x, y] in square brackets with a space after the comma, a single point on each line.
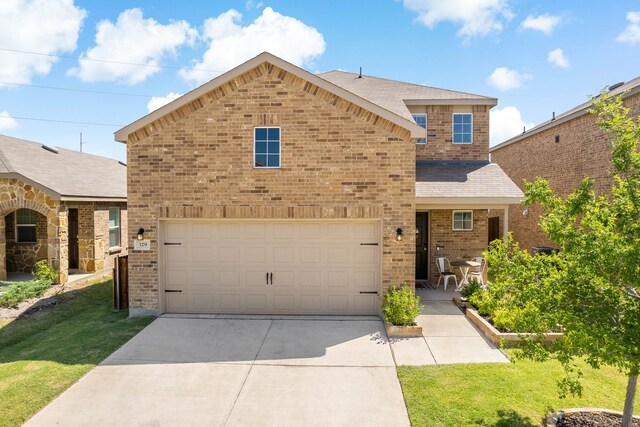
[448, 336]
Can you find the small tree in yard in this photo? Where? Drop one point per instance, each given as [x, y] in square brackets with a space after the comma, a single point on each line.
[591, 290]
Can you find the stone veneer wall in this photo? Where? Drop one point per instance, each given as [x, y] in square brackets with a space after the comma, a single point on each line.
[15, 194]
[21, 257]
[338, 161]
[86, 246]
[456, 245]
[583, 150]
[440, 144]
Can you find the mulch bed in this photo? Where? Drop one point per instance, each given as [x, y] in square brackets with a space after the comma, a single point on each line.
[593, 419]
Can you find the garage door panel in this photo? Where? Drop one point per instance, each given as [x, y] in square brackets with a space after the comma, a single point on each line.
[318, 267]
[284, 254]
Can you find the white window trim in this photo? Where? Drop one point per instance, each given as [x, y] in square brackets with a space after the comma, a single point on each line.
[453, 132]
[453, 220]
[119, 227]
[253, 160]
[426, 121]
[34, 225]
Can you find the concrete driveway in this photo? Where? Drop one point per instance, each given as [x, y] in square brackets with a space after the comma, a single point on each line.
[240, 372]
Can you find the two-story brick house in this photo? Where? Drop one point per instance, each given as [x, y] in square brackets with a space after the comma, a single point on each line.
[563, 151]
[273, 190]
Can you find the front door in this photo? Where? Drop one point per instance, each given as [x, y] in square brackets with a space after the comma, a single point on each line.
[494, 229]
[422, 245]
[73, 238]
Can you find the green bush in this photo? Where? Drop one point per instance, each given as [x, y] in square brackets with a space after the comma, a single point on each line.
[16, 292]
[472, 287]
[45, 272]
[401, 306]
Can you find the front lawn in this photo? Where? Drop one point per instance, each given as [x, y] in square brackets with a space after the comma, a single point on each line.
[505, 395]
[42, 355]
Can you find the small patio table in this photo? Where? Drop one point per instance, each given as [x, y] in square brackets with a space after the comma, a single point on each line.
[464, 267]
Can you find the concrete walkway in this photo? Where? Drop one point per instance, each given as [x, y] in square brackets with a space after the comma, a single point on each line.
[448, 336]
[237, 371]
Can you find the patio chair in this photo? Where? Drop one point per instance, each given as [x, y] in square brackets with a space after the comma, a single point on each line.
[478, 272]
[446, 272]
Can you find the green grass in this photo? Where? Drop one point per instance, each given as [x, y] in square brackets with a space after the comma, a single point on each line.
[501, 395]
[40, 357]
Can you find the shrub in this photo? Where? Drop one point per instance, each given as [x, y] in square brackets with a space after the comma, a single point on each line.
[45, 272]
[401, 306]
[17, 292]
[472, 287]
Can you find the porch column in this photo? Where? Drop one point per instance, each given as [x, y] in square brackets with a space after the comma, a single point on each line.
[505, 228]
[3, 250]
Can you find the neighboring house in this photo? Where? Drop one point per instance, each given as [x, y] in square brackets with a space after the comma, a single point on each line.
[273, 190]
[60, 205]
[563, 150]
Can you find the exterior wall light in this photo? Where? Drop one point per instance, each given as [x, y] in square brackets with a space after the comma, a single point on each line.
[141, 234]
[525, 212]
[399, 235]
[439, 247]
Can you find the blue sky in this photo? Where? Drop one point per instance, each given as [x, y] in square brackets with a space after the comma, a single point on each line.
[536, 57]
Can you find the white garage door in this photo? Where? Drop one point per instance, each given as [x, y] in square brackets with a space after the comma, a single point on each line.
[271, 267]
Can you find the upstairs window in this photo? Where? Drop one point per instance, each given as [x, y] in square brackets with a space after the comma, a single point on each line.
[462, 220]
[114, 227]
[25, 226]
[463, 128]
[421, 120]
[266, 147]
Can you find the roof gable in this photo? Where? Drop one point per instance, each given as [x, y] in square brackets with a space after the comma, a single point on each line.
[254, 68]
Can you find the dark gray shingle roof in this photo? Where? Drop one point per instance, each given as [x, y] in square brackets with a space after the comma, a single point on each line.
[460, 179]
[68, 173]
[392, 94]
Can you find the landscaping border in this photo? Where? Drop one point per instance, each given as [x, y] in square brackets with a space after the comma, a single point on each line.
[403, 331]
[495, 336]
[552, 420]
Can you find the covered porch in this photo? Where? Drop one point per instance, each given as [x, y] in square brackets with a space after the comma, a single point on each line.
[452, 203]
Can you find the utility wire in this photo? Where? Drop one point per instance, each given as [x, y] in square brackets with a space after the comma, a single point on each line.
[80, 58]
[60, 121]
[85, 90]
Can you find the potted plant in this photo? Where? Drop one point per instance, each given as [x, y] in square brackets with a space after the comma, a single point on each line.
[400, 308]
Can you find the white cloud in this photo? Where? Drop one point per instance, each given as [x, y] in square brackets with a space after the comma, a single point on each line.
[132, 39]
[631, 34]
[545, 23]
[160, 101]
[505, 123]
[6, 121]
[505, 79]
[476, 17]
[231, 44]
[43, 26]
[558, 58]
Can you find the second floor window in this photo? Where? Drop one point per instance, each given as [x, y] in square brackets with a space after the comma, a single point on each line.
[421, 120]
[463, 128]
[266, 147]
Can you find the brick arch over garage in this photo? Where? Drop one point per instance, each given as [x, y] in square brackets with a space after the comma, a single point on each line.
[56, 232]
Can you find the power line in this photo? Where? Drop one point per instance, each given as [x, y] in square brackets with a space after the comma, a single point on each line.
[60, 121]
[80, 58]
[85, 90]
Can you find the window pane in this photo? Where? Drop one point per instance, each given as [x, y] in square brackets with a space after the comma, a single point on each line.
[26, 234]
[274, 161]
[274, 134]
[114, 237]
[274, 147]
[261, 160]
[114, 217]
[421, 141]
[25, 216]
[457, 119]
[466, 118]
[261, 134]
[261, 147]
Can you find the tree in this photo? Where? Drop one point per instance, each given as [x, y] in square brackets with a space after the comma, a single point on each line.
[590, 289]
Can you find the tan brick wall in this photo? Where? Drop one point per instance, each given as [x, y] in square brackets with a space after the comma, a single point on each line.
[338, 161]
[440, 144]
[583, 150]
[456, 245]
